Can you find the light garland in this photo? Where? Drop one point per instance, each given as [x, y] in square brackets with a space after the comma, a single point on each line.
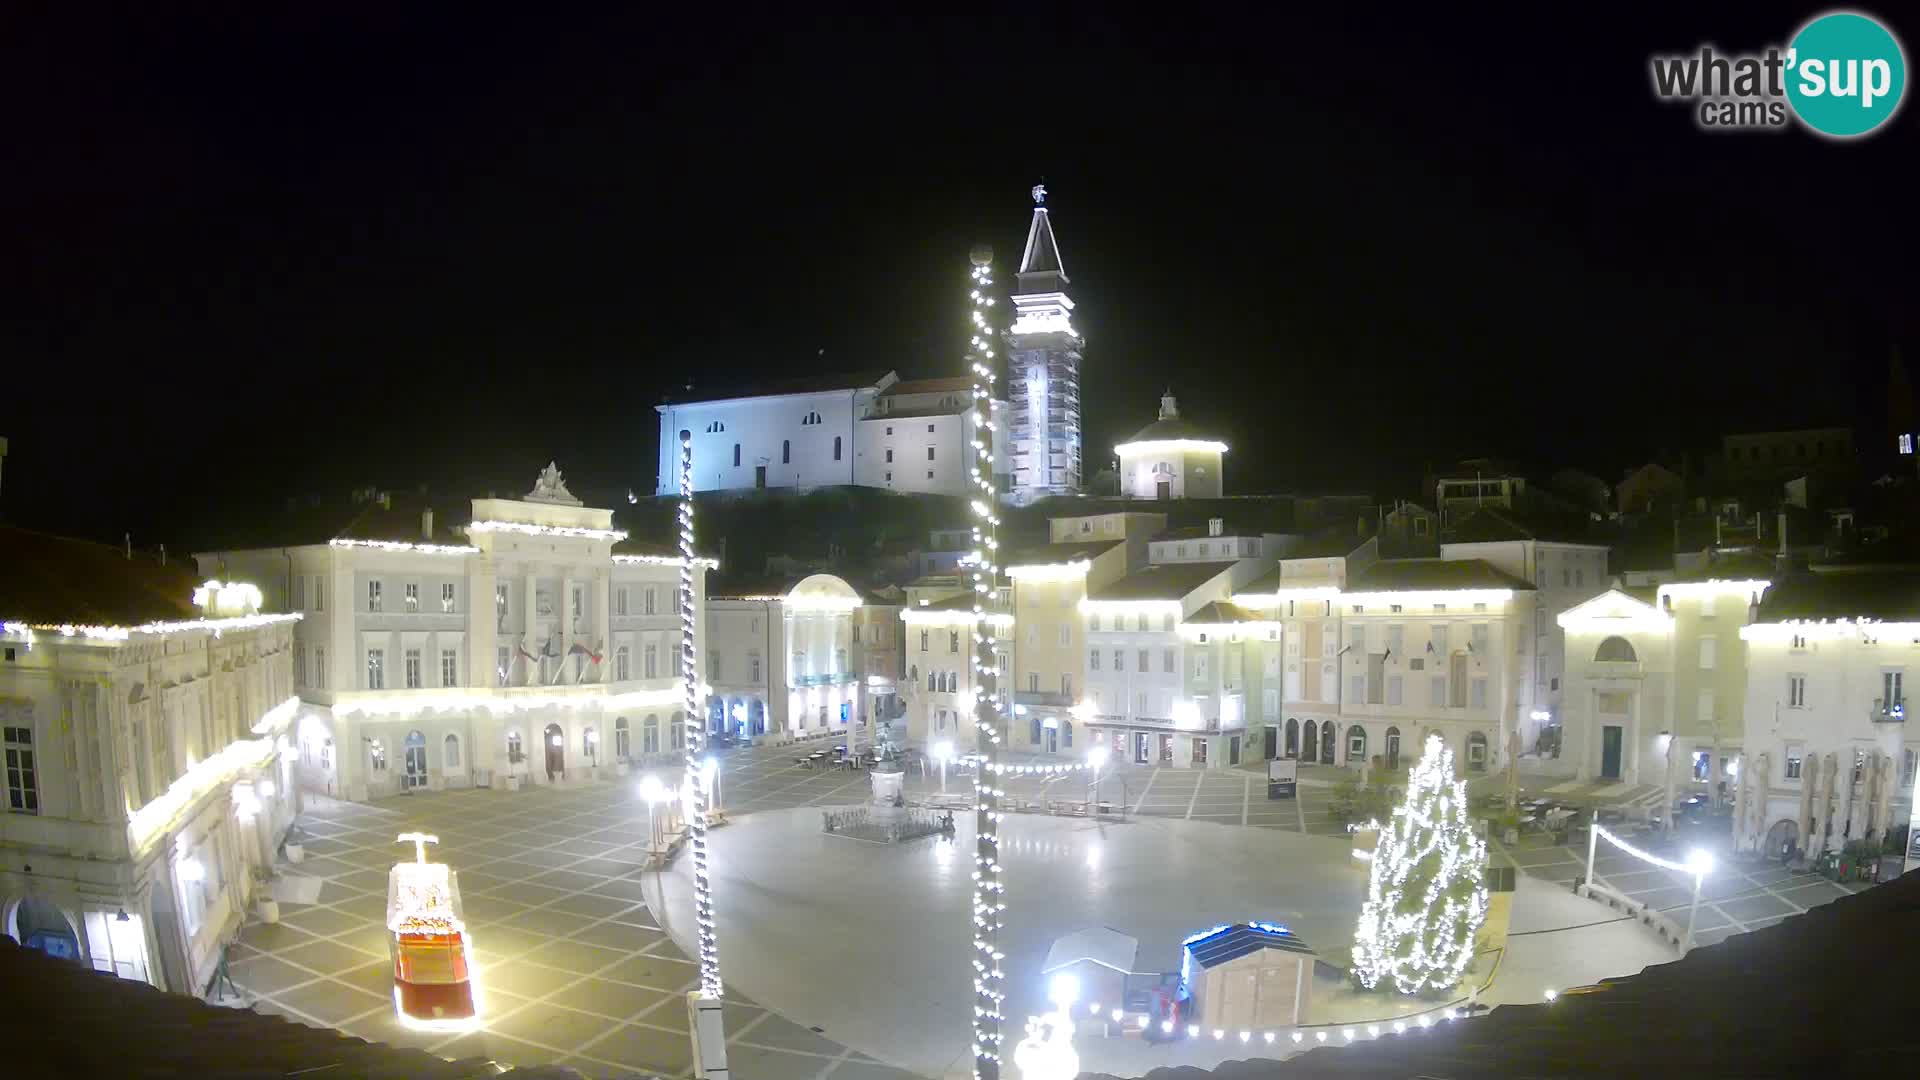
[148, 823]
[1129, 607]
[1170, 446]
[157, 629]
[1830, 630]
[696, 730]
[916, 617]
[577, 531]
[497, 699]
[1698, 867]
[404, 546]
[1753, 588]
[228, 599]
[1614, 613]
[663, 560]
[1071, 570]
[1426, 895]
[989, 892]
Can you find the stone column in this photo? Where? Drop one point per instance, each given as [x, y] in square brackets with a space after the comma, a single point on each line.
[483, 635]
[1740, 799]
[531, 623]
[568, 672]
[602, 623]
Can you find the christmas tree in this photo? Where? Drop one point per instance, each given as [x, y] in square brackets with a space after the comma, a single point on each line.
[1425, 895]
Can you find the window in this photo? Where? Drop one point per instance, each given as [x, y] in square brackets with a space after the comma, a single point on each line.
[500, 602]
[716, 428]
[736, 455]
[1356, 743]
[929, 474]
[1709, 651]
[889, 459]
[1705, 715]
[1799, 642]
[451, 755]
[1357, 639]
[449, 668]
[1907, 763]
[319, 594]
[1033, 685]
[446, 598]
[713, 667]
[929, 431]
[786, 451]
[622, 664]
[411, 596]
[1093, 660]
[620, 600]
[1566, 577]
[1093, 624]
[412, 660]
[1790, 763]
[810, 419]
[753, 666]
[1066, 635]
[1478, 642]
[1180, 551]
[1140, 622]
[650, 661]
[1166, 622]
[502, 663]
[579, 601]
[1477, 697]
[1439, 645]
[1396, 639]
[1356, 689]
[923, 640]
[856, 634]
[836, 448]
[320, 666]
[1145, 663]
[373, 596]
[300, 592]
[1437, 692]
[953, 640]
[1066, 685]
[1119, 660]
[1393, 690]
[1891, 690]
[1579, 577]
[376, 669]
[376, 755]
[650, 601]
[1270, 704]
[929, 453]
[1706, 605]
[23, 777]
[1796, 691]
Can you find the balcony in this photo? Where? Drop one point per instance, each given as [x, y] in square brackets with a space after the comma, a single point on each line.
[1044, 698]
[1888, 712]
[829, 679]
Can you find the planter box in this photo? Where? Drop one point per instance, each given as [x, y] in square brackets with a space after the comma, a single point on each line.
[269, 910]
[513, 783]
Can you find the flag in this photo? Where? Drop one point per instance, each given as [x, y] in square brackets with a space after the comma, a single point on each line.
[577, 649]
[546, 651]
[521, 648]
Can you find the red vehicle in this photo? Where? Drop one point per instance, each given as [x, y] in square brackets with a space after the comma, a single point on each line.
[432, 972]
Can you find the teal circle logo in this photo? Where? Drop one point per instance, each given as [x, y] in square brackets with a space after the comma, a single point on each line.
[1845, 74]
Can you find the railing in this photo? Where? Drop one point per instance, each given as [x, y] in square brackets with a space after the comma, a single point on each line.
[1889, 712]
[1043, 697]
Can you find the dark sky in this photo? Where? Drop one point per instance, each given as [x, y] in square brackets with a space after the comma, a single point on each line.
[248, 256]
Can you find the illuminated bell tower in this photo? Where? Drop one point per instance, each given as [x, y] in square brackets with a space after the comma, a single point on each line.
[1043, 370]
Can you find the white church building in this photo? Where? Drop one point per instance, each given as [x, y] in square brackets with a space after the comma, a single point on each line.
[1171, 458]
[865, 430]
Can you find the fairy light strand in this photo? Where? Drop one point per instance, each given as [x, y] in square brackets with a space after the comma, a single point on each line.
[696, 729]
[989, 891]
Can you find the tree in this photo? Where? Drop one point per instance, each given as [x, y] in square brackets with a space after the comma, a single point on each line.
[1426, 898]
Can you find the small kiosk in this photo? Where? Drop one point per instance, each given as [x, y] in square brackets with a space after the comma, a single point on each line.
[1247, 977]
[432, 966]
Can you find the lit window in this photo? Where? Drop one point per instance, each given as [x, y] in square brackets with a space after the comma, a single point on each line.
[23, 777]
[446, 597]
[412, 596]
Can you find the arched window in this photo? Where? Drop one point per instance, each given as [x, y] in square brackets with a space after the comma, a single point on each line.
[1293, 737]
[516, 751]
[1356, 743]
[1614, 649]
[589, 743]
[716, 427]
[913, 674]
[452, 752]
[678, 732]
[1066, 733]
[621, 746]
[836, 448]
[1309, 743]
[650, 735]
[786, 451]
[933, 680]
[736, 455]
[1393, 748]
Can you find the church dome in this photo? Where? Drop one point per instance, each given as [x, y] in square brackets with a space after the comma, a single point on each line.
[1172, 427]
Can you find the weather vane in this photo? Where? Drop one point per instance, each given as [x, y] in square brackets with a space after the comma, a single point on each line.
[1039, 193]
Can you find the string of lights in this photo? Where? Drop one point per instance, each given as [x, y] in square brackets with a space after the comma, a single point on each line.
[696, 736]
[1426, 899]
[989, 892]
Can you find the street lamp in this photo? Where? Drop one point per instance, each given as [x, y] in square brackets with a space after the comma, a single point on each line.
[943, 750]
[1701, 864]
[1096, 760]
[653, 793]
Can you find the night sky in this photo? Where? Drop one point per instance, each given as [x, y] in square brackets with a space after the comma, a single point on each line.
[249, 258]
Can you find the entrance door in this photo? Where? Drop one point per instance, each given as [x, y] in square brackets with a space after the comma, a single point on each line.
[760, 476]
[1327, 740]
[416, 761]
[1233, 749]
[1273, 743]
[1393, 748]
[1142, 747]
[1053, 740]
[1610, 751]
[1163, 490]
[1307, 746]
[1166, 749]
[556, 744]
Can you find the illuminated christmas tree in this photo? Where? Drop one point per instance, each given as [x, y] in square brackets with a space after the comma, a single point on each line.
[1425, 895]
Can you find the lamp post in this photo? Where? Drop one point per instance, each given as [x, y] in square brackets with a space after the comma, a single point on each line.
[943, 750]
[653, 793]
[1096, 760]
[1701, 863]
[703, 1005]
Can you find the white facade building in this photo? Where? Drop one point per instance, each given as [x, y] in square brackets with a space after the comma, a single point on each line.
[1171, 458]
[1043, 370]
[149, 768]
[781, 664]
[530, 645]
[865, 430]
[1830, 756]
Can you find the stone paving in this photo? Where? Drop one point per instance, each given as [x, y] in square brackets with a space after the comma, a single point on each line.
[572, 966]
[576, 971]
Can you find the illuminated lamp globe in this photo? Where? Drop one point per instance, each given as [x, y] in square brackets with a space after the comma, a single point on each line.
[982, 254]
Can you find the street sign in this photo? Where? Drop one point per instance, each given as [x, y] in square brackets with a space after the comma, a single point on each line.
[1282, 778]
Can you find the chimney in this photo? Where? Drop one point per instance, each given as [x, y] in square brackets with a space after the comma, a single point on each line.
[426, 524]
[1168, 410]
[1216, 526]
